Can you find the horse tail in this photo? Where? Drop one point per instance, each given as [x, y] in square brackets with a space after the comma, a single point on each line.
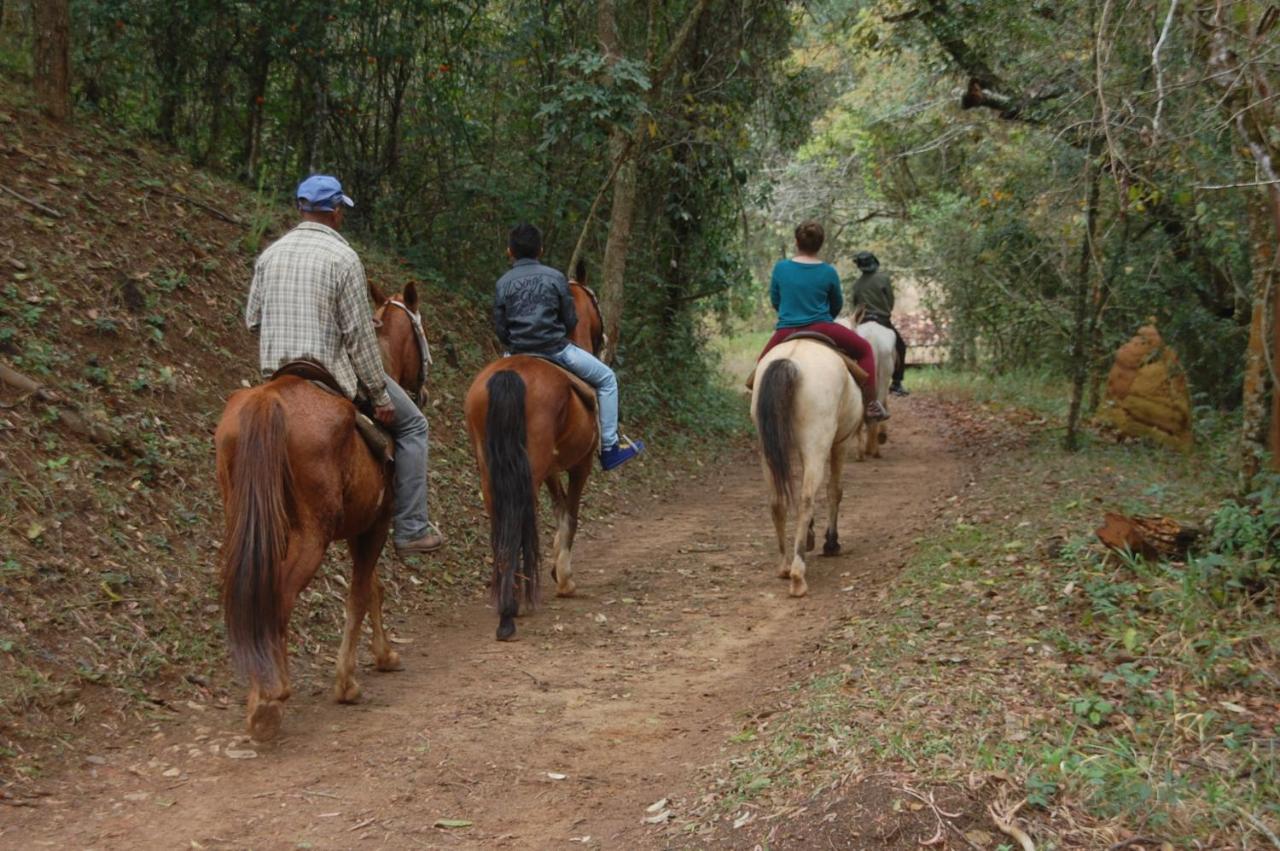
[774, 408]
[258, 510]
[513, 520]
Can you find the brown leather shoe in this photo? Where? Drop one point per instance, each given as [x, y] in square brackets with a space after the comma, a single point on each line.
[429, 542]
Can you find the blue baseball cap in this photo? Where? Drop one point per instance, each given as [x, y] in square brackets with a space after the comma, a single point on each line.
[321, 193]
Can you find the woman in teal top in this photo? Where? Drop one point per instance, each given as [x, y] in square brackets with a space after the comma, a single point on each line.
[806, 293]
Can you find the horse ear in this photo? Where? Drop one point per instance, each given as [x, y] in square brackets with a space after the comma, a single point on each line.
[411, 296]
[376, 294]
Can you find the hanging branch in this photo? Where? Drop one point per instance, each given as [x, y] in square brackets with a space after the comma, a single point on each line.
[1159, 72]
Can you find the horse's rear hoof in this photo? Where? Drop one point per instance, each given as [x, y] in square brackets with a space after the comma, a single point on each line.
[348, 692]
[507, 629]
[568, 590]
[883, 436]
[390, 663]
[264, 721]
[831, 548]
[799, 587]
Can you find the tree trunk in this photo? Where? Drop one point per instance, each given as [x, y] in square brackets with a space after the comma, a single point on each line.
[1080, 342]
[52, 54]
[623, 148]
[1256, 373]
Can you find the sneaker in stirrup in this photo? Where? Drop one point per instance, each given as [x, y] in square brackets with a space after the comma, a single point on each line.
[620, 453]
[876, 412]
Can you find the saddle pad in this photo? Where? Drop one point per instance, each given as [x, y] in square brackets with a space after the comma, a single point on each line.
[584, 391]
[858, 373]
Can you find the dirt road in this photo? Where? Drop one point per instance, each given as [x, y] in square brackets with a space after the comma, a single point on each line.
[610, 702]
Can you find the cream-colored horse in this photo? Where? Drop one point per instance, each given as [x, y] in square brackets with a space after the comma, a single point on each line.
[806, 407]
[882, 345]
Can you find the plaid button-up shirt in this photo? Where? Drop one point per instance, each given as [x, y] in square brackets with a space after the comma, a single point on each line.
[309, 300]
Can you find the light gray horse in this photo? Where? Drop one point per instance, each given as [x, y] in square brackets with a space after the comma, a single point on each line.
[806, 408]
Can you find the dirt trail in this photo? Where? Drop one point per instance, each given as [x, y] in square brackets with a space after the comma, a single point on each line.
[679, 629]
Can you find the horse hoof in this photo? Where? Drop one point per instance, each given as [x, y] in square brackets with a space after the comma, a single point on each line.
[568, 590]
[830, 549]
[507, 629]
[264, 721]
[784, 572]
[799, 587]
[390, 662]
[882, 436]
[349, 693]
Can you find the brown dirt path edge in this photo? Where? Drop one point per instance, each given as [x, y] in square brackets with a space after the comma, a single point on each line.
[611, 700]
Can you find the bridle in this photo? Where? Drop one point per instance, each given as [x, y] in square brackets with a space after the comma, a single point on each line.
[420, 338]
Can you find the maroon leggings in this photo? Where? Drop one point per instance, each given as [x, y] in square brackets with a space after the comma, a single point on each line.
[848, 341]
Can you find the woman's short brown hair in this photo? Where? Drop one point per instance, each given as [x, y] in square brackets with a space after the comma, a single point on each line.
[809, 237]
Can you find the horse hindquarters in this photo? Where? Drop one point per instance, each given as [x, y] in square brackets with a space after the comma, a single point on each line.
[513, 521]
[258, 498]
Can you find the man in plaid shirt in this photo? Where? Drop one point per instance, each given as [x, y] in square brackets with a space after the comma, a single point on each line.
[309, 300]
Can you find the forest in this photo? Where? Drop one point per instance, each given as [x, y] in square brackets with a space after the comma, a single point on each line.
[981, 667]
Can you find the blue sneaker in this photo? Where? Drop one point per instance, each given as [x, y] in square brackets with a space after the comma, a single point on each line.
[621, 453]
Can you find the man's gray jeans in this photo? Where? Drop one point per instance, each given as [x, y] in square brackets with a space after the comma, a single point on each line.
[410, 429]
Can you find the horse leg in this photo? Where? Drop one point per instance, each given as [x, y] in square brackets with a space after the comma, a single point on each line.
[778, 510]
[809, 540]
[266, 703]
[873, 440]
[812, 478]
[359, 596]
[370, 546]
[835, 491]
[560, 570]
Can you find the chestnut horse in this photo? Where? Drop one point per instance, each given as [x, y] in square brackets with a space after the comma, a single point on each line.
[295, 475]
[529, 427]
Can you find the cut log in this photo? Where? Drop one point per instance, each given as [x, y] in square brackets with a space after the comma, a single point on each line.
[1148, 536]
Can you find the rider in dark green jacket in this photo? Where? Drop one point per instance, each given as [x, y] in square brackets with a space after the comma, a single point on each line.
[874, 290]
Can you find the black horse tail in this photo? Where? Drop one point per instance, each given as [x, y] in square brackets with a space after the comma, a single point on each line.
[257, 538]
[774, 408]
[513, 520]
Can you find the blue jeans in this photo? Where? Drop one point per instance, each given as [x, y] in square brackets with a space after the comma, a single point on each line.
[409, 514]
[593, 371]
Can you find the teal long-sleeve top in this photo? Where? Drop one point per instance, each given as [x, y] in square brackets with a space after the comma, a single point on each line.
[804, 293]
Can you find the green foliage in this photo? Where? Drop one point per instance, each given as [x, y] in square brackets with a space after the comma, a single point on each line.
[986, 206]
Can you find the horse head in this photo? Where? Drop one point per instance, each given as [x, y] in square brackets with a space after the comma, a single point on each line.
[589, 332]
[400, 338]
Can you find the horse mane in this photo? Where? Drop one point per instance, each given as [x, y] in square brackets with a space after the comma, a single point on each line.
[580, 271]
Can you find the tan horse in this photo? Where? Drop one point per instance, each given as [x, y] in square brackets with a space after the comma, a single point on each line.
[882, 345]
[294, 476]
[806, 407]
[529, 427]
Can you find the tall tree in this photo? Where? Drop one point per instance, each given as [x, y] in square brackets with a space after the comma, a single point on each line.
[52, 54]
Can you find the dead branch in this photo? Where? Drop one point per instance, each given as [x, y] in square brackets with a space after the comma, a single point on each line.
[196, 202]
[48, 211]
[1006, 824]
[67, 413]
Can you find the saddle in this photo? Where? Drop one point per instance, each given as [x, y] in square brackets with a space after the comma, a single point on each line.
[379, 440]
[859, 374]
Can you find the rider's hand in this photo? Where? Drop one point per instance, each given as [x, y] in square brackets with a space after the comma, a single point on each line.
[386, 414]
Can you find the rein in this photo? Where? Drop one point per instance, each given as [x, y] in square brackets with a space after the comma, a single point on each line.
[420, 337]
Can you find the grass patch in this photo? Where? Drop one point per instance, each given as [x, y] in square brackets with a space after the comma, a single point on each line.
[1119, 697]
